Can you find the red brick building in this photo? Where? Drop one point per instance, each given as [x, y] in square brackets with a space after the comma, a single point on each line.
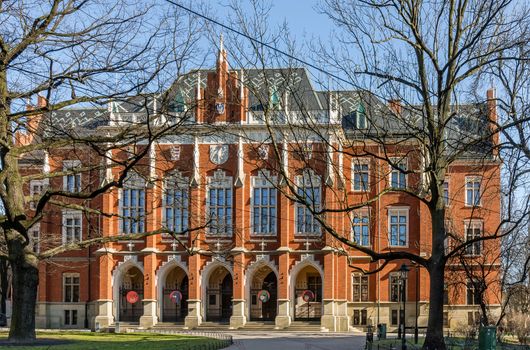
[262, 257]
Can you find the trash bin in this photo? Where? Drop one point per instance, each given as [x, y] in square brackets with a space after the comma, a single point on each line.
[381, 331]
[487, 338]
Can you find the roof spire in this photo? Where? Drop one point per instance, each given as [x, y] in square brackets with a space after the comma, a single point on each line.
[221, 47]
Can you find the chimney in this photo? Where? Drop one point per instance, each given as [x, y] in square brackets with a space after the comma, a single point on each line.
[41, 101]
[491, 103]
[395, 106]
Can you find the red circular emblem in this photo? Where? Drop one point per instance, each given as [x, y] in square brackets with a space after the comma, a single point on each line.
[132, 297]
[264, 295]
[308, 295]
[175, 296]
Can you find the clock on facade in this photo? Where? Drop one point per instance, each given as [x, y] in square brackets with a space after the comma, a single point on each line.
[218, 154]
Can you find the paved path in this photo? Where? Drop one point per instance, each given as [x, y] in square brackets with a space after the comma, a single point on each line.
[297, 341]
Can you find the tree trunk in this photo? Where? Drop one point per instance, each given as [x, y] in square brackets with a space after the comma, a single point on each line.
[434, 339]
[25, 283]
[4, 282]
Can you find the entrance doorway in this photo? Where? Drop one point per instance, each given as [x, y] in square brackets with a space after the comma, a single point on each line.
[219, 296]
[263, 306]
[131, 296]
[175, 309]
[308, 295]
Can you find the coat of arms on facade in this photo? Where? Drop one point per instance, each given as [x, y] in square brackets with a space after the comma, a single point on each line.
[174, 151]
[263, 152]
[218, 154]
[220, 108]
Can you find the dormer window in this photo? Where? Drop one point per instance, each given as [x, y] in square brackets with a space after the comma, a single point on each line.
[179, 103]
[356, 119]
[274, 100]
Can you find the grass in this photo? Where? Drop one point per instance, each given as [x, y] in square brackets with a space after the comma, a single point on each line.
[112, 341]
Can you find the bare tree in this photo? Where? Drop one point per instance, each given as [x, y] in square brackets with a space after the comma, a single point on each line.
[92, 54]
[423, 56]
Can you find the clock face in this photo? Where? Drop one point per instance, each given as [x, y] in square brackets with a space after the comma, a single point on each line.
[218, 154]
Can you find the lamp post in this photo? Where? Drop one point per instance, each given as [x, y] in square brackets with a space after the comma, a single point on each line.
[403, 272]
[417, 300]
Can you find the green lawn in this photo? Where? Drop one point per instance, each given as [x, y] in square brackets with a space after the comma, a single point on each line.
[111, 341]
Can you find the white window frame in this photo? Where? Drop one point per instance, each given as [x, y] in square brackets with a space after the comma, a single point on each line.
[361, 276]
[364, 212]
[42, 184]
[264, 180]
[360, 162]
[175, 181]
[34, 236]
[307, 179]
[136, 182]
[71, 275]
[397, 161]
[72, 215]
[69, 165]
[446, 187]
[471, 249]
[396, 275]
[400, 211]
[220, 180]
[471, 180]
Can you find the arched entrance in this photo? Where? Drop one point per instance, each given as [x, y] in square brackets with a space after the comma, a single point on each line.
[175, 309]
[219, 295]
[263, 307]
[308, 294]
[131, 295]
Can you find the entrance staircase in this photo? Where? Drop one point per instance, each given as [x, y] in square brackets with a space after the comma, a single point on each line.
[257, 326]
[304, 326]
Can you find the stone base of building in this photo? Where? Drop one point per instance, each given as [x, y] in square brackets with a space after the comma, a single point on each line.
[283, 318]
[149, 318]
[193, 319]
[238, 318]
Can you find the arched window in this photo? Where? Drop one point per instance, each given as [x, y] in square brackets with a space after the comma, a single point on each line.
[309, 189]
[179, 105]
[132, 204]
[274, 99]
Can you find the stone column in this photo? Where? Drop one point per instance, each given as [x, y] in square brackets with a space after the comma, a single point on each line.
[194, 318]
[238, 318]
[149, 318]
[104, 304]
[283, 317]
[328, 321]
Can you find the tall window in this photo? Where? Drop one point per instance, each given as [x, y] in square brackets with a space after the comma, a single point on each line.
[176, 202]
[264, 201]
[360, 176]
[72, 182]
[360, 287]
[133, 205]
[34, 236]
[398, 176]
[220, 203]
[473, 294]
[71, 287]
[72, 226]
[473, 230]
[398, 227]
[310, 192]
[446, 294]
[473, 191]
[361, 227]
[395, 288]
[446, 192]
[36, 187]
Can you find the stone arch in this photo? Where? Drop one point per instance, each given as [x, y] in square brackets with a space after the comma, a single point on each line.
[117, 278]
[205, 274]
[161, 276]
[255, 275]
[306, 261]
